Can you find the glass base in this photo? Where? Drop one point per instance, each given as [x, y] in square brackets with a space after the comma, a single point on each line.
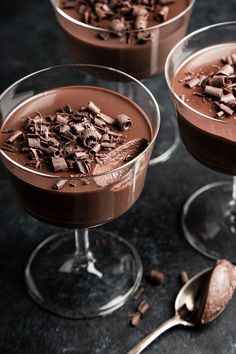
[59, 281]
[209, 221]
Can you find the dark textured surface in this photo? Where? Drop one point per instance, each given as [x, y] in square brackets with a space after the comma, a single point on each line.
[30, 40]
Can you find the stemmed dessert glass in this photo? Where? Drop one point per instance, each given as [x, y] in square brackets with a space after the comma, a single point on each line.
[81, 272]
[143, 61]
[209, 215]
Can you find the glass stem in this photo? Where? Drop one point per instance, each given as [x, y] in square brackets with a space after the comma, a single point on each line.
[234, 190]
[82, 243]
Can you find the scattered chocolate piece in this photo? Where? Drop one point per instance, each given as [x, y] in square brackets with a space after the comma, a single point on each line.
[218, 81]
[224, 108]
[143, 307]
[155, 277]
[7, 130]
[138, 293]
[60, 184]
[184, 277]
[135, 319]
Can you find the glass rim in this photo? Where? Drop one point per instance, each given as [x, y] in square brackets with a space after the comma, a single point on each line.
[105, 30]
[127, 164]
[171, 53]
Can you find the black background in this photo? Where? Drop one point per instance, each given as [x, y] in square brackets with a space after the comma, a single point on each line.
[31, 40]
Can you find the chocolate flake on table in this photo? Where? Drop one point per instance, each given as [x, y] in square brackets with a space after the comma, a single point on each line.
[143, 307]
[127, 19]
[217, 87]
[155, 277]
[77, 140]
[138, 293]
[135, 319]
[184, 277]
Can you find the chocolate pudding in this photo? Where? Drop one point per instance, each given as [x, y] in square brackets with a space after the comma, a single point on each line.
[61, 146]
[217, 292]
[131, 36]
[205, 84]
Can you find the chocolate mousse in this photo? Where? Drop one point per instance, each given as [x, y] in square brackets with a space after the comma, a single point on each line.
[129, 35]
[61, 148]
[217, 292]
[205, 84]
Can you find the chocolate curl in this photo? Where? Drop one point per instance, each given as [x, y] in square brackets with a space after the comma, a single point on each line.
[220, 114]
[60, 184]
[218, 81]
[214, 91]
[108, 145]
[184, 277]
[135, 319]
[89, 137]
[117, 25]
[124, 121]
[93, 108]
[27, 123]
[14, 136]
[163, 13]
[140, 22]
[96, 148]
[54, 151]
[59, 164]
[82, 166]
[62, 119]
[143, 307]
[107, 119]
[192, 83]
[233, 56]
[224, 108]
[139, 11]
[105, 137]
[100, 12]
[77, 128]
[80, 155]
[99, 122]
[226, 70]
[228, 98]
[34, 143]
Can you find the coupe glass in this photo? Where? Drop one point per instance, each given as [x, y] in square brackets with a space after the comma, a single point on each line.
[143, 61]
[70, 273]
[209, 215]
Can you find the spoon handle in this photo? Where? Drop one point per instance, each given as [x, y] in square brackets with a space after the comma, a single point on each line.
[138, 348]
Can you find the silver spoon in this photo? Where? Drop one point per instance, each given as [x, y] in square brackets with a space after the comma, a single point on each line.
[184, 304]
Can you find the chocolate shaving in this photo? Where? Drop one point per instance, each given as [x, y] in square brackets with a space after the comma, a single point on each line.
[155, 277]
[14, 136]
[184, 277]
[93, 108]
[193, 82]
[59, 164]
[143, 307]
[135, 319]
[227, 98]
[226, 70]
[163, 13]
[60, 184]
[224, 108]
[218, 81]
[214, 91]
[138, 293]
[124, 121]
[106, 118]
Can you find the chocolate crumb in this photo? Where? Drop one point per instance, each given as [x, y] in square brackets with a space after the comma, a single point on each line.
[135, 319]
[138, 293]
[184, 277]
[155, 277]
[143, 307]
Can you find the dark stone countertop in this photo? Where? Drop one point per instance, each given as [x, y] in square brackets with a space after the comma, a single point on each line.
[31, 40]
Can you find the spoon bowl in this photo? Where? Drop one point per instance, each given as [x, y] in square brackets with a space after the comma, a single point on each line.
[187, 307]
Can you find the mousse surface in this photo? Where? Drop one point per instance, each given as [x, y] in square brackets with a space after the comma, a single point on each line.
[206, 83]
[70, 192]
[141, 53]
